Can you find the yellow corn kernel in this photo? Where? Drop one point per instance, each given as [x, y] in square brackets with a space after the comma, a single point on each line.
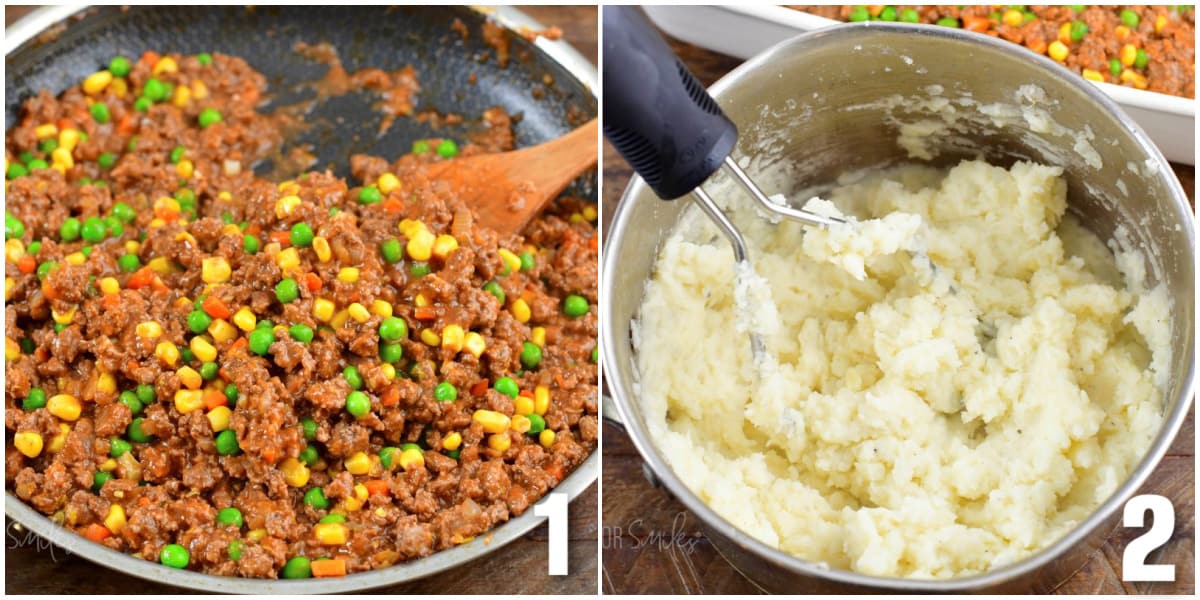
[160, 265]
[184, 168]
[64, 406]
[1128, 55]
[1160, 23]
[10, 285]
[215, 269]
[64, 318]
[538, 336]
[358, 312]
[68, 138]
[521, 311]
[149, 330]
[96, 82]
[492, 421]
[320, 245]
[203, 349]
[546, 438]
[132, 247]
[219, 418]
[118, 87]
[199, 90]
[358, 464]
[75, 258]
[167, 352]
[109, 286]
[256, 535]
[189, 378]
[295, 473]
[409, 227]
[245, 319]
[289, 187]
[589, 213]
[115, 521]
[1092, 75]
[222, 332]
[350, 504]
[1133, 77]
[421, 301]
[1058, 51]
[420, 245]
[361, 493]
[187, 401]
[57, 167]
[60, 439]
[109, 465]
[182, 96]
[452, 441]
[381, 308]
[330, 534]
[388, 183]
[541, 399]
[444, 245]
[45, 130]
[1121, 32]
[323, 309]
[512, 260]
[62, 156]
[285, 205]
[106, 383]
[474, 343]
[412, 459]
[348, 275]
[1064, 33]
[523, 405]
[389, 371]
[1012, 17]
[431, 338]
[452, 337]
[520, 424]
[14, 250]
[288, 260]
[28, 443]
[12, 350]
[499, 442]
[165, 64]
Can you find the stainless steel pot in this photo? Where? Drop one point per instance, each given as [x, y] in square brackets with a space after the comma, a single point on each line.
[69, 25]
[815, 102]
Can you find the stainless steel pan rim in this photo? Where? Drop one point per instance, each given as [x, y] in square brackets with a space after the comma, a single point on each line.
[624, 395]
[573, 485]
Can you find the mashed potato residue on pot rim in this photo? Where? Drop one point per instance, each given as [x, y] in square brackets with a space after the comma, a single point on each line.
[949, 388]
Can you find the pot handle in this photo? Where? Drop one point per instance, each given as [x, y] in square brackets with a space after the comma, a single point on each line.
[656, 113]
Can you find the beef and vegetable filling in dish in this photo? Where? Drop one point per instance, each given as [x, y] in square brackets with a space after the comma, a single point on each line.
[260, 379]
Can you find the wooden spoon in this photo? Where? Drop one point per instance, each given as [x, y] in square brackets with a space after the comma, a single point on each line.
[507, 190]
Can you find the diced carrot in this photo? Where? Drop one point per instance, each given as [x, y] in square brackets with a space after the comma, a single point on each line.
[269, 455]
[65, 123]
[555, 470]
[376, 486]
[282, 238]
[594, 242]
[479, 388]
[238, 347]
[96, 532]
[140, 278]
[215, 398]
[392, 205]
[125, 125]
[312, 281]
[150, 57]
[390, 396]
[158, 285]
[50, 291]
[977, 24]
[223, 374]
[111, 301]
[526, 393]
[333, 567]
[215, 308]
[253, 229]
[424, 313]
[27, 264]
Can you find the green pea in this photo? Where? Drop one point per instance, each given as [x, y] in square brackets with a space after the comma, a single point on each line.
[948, 22]
[301, 235]
[352, 377]
[46, 269]
[13, 227]
[235, 550]
[447, 149]
[358, 404]
[174, 556]
[100, 112]
[1077, 7]
[391, 353]
[531, 355]
[204, 58]
[250, 244]
[118, 446]
[297, 567]
[209, 116]
[119, 66]
[69, 230]
[316, 499]
[99, 479]
[454, 453]
[48, 145]
[859, 13]
[106, 160]
[536, 423]
[387, 456]
[309, 456]
[369, 195]
[310, 428]
[334, 518]
[136, 433]
[445, 392]
[287, 290]
[575, 306]
[27, 346]
[208, 370]
[506, 386]
[230, 516]
[301, 333]
[420, 147]
[596, 354]
[261, 340]
[1141, 59]
[494, 289]
[142, 104]
[33, 248]
[130, 399]
[187, 355]
[264, 324]
[1078, 30]
[1130, 18]
[1114, 66]
[231, 394]
[35, 400]
[528, 261]
[124, 212]
[94, 230]
[129, 263]
[393, 328]
[177, 154]
[888, 13]
[185, 195]
[115, 227]
[391, 251]
[198, 321]
[37, 164]
[227, 443]
[419, 269]
[145, 393]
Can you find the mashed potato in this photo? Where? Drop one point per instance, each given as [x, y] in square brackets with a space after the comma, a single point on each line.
[948, 389]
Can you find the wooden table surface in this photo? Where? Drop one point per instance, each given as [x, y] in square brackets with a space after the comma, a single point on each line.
[521, 567]
[652, 544]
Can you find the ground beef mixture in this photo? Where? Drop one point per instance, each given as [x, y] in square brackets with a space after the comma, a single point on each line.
[1144, 47]
[260, 379]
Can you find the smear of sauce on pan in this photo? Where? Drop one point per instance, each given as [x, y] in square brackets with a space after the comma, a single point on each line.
[397, 89]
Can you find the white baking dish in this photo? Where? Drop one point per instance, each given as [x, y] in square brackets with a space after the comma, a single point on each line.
[744, 31]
